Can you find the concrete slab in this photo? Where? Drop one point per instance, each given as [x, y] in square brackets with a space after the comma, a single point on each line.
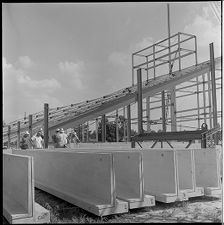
[83, 179]
[18, 191]
[207, 170]
[129, 179]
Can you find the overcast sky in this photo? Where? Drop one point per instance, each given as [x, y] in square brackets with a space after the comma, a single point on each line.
[68, 52]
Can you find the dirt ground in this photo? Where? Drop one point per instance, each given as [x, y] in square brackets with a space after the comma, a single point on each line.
[199, 209]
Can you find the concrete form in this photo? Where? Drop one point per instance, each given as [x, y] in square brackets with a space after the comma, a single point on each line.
[18, 191]
[207, 170]
[129, 179]
[83, 179]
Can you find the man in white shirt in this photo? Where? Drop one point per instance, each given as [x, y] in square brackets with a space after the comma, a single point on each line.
[37, 140]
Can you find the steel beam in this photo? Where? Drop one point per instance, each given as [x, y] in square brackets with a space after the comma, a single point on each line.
[46, 125]
[18, 135]
[198, 103]
[209, 100]
[204, 99]
[97, 125]
[129, 123]
[103, 122]
[214, 100]
[30, 125]
[173, 109]
[139, 97]
[117, 128]
[9, 132]
[163, 111]
[148, 112]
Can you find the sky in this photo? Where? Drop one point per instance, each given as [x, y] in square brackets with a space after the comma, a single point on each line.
[64, 53]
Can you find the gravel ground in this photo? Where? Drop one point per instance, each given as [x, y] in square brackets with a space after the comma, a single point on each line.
[199, 209]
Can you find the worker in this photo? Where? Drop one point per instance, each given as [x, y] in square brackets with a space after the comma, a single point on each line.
[37, 140]
[73, 137]
[26, 142]
[56, 138]
[62, 139]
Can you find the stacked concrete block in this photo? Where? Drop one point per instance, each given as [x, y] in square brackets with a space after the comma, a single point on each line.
[129, 178]
[83, 179]
[207, 170]
[18, 191]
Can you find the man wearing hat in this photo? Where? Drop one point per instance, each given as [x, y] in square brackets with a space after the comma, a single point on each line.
[26, 142]
[62, 138]
[37, 140]
[56, 138]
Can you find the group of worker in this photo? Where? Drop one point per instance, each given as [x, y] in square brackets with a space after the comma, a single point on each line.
[60, 139]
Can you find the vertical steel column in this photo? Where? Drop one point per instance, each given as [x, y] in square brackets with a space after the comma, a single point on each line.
[129, 122]
[97, 130]
[209, 100]
[154, 62]
[204, 98]
[31, 125]
[18, 134]
[168, 15]
[214, 100]
[87, 131]
[173, 109]
[179, 51]
[148, 113]
[147, 70]
[196, 51]
[45, 125]
[9, 137]
[103, 123]
[139, 93]
[83, 132]
[132, 61]
[117, 128]
[198, 104]
[163, 111]
[124, 124]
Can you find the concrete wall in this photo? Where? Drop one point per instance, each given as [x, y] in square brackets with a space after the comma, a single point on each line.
[127, 166]
[185, 169]
[159, 171]
[207, 167]
[85, 176]
[18, 189]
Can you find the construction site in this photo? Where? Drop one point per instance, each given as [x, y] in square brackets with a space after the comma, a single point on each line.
[141, 148]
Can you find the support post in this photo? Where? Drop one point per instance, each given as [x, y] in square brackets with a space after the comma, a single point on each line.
[124, 125]
[117, 128]
[87, 131]
[163, 111]
[173, 109]
[129, 123]
[147, 70]
[154, 62]
[83, 132]
[30, 125]
[139, 93]
[204, 99]
[97, 130]
[168, 15]
[179, 51]
[45, 125]
[214, 100]
[196, 51]
[209, 100]
[18, 135]
[132, 61]
[103, 123]
[148, 112]
[198, 106]
[9, 136]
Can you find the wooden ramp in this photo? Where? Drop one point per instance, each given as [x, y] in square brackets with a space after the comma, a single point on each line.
[81, 178]
[18, 191]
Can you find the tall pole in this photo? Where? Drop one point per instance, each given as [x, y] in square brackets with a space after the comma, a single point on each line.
[97, 130]
[103, 122]
[117, 128]
[129, 122]
[212, 68]
[18, 134]
[9, 139]
[168, 14]
[163, 111]
[30, 125]
[45, 125]
[139, 91]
